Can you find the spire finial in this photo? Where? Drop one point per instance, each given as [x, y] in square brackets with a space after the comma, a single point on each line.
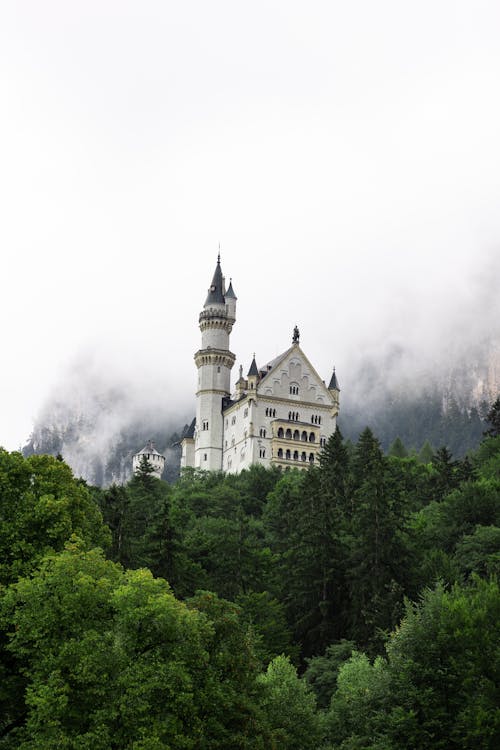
[296, 335]
[218, 255]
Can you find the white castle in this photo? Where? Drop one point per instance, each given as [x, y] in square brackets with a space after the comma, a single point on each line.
[154, 459]
[281, 413]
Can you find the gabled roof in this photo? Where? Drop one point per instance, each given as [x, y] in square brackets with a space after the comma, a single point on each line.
[215, 293]
[294, 350]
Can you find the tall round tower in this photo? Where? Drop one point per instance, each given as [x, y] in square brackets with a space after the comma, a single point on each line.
[214, 362]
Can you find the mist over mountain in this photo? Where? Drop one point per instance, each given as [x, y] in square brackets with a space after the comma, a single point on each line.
[97, 419]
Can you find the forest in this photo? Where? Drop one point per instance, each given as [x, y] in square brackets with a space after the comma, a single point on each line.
[353, 606]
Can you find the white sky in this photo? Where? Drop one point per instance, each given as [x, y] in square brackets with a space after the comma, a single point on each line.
[346, 155]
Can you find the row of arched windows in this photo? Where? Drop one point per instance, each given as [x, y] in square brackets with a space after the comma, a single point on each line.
[293, 416]
[296, 435]
[294, 390]
[295, 456]
[262, 432]
[316, 419]
[270, 412]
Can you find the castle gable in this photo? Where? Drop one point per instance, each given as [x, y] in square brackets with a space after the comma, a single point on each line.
[291, 376]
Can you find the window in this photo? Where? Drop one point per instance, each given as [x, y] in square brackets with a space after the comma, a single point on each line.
[205, 424]
[262, 453]
[233, 420]
[303, 437]
[322, 442]
[280, 452]
[287, 455]
[296, 435]
[204, 456]
[245, 413]
[288, 434]
[303, 456]
[311, 458]
[218, 369]
[312, 437]
[294, 389]
[281, 432]
[262, 432]
[295, 455]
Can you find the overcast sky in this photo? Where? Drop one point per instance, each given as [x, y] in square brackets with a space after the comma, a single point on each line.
[346, 155]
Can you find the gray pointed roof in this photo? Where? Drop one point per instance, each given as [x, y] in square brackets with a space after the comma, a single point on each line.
[149, 449]
[253, 368]
[334, 383]
[230, 292]
[215, 293]
[189, 430]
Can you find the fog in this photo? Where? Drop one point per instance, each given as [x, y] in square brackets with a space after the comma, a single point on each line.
[345, 156]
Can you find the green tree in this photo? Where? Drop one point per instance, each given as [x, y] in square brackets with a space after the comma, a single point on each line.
[110, 659]
[426, 453]
[288, 707]
[322, 671]
[444, 664]
[398, 449]
[41, 506]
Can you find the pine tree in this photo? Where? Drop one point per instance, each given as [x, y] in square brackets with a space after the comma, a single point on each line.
[398, 449]
[493, 419]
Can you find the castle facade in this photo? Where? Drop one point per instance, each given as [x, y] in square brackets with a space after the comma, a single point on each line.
[281, 413]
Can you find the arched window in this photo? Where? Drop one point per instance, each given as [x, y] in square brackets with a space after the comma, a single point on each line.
[289, 415]
[303, 437]
[281, 432]
[311, 458]
[303, 456]
[280, 452]
[262, 432]
[296, 435]
[288, 434]
[319, 420]
[287, 455]
[312, 437]
[262, 453]
[274, 412]
[295, 455]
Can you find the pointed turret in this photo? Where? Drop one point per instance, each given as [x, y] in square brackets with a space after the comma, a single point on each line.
[253, 368]
[253, 375]
[216, 290]
[231, 298]
[334, 383]
[230, 292]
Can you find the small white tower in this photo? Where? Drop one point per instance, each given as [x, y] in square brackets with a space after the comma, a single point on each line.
[152, 456]
[214, 362]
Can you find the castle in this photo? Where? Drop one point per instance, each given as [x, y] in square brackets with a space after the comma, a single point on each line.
[281, 413]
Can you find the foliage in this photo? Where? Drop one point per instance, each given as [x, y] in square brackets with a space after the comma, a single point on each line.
[289, 708]
[41, 506]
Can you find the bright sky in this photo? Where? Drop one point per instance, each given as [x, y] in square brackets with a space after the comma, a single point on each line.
[346, 155]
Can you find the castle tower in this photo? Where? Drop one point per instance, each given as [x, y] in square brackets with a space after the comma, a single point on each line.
[214, 362]
[151, 455]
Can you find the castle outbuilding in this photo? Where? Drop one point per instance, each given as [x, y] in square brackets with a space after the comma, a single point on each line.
[155, 459]
[281, 413]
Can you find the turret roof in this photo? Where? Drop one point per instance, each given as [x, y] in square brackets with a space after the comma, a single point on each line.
[149, 449]
[215, 293]
[334, 383]
[230, 292]
[253, 368]
[189, 430]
